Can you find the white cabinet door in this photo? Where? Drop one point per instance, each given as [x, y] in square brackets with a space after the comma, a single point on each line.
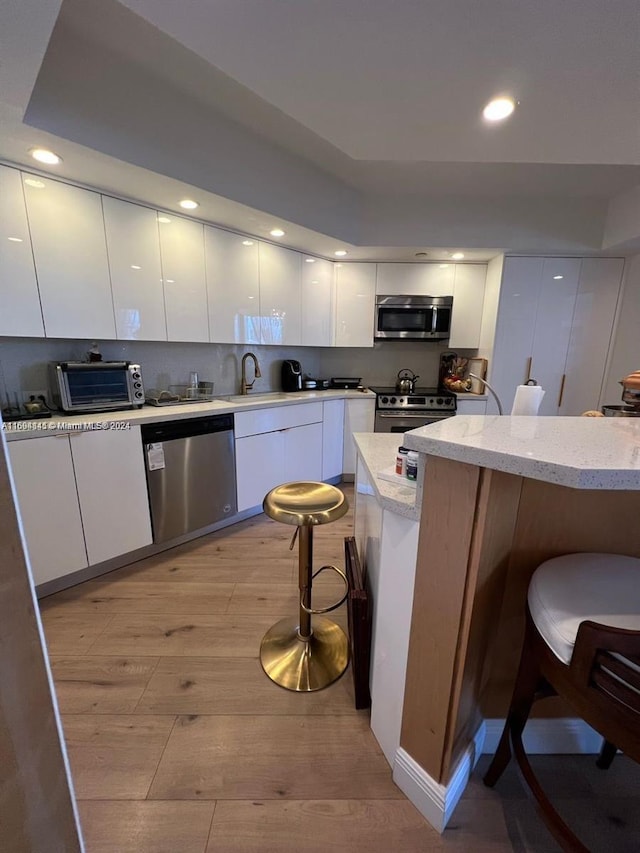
[469, 406]
[593, 317]
[20, 312]
[70, 254]
[317, 302]
[112, 490]
[557, 296]
[359, 416]
[515, 328]
[355, 305]
[136, 275]
[303, 453]
[259, 467]
[280, 295]
[415, 279]
[183, 273]
[233, 288]
[48, 505]
[332, 438]
[468, 298]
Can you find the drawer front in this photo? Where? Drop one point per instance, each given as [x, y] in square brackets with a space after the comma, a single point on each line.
[276, 418]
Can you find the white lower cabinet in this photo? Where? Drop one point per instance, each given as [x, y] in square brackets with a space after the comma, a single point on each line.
[359, 416]
[82, 497]
[274, 446]
[332, 438]
[471, 406]
[48, 506]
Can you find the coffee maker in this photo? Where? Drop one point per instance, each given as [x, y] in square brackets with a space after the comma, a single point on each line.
[291, 375]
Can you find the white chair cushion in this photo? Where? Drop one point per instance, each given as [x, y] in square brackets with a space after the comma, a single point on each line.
[568, 590]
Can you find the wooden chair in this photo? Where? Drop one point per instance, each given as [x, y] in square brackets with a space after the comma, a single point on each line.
[582, 642]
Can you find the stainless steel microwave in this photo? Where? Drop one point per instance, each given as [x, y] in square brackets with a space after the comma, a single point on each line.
[413, 318]
[96, 386]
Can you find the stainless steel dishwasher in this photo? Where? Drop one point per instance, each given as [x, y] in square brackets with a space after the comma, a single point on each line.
[191, 474]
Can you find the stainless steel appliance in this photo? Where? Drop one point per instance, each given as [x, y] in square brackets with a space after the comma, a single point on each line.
[291, 375]
[96, 386]
[401, 412]
[191, 474]
[631, 395]
[413, 318]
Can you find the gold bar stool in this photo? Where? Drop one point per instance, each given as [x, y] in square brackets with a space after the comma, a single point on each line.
[294, 654]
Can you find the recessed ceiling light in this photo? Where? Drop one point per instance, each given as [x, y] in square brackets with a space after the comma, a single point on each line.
[188, 204]
[340, 253]
[457, 256]
[164, 219]
[15, 239]
[310, 260]
[557, 277]
[31, 182]
[170, 280]
[43, 155]
[135, 267]
[315, 281]
[247, 242]
[276, 232]
[499, 108]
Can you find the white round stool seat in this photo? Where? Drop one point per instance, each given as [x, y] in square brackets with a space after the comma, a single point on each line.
[568, 590]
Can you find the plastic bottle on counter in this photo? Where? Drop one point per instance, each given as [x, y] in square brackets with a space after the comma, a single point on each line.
[412, 465]
[401, 461]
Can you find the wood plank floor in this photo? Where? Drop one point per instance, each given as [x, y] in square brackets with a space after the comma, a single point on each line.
[180, 744]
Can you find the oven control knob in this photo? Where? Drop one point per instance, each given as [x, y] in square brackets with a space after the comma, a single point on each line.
[401, 400]
[137, 384]
[139, 394]
[449, 401]
[440, 401]
[393, 400]
[136, 375]
[384, 400]
[431, 401]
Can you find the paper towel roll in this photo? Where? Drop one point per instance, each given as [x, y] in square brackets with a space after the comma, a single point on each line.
[527, 400]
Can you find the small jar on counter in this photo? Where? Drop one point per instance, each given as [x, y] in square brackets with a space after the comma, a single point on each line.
[412, 465]
[401, 461]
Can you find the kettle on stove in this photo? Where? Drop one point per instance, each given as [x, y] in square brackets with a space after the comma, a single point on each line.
[406, 381]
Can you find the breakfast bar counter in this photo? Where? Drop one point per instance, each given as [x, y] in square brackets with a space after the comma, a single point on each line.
[499, 496]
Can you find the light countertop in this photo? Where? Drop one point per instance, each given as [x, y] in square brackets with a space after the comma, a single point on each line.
[582, 453]
[37, 428]
[378, 450]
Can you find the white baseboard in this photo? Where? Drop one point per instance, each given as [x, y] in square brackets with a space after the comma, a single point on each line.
[548, 736]
[434, 801]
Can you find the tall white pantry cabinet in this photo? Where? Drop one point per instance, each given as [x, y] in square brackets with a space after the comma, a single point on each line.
[554, 325]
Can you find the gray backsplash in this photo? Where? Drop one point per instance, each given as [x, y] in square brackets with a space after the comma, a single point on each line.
[23, 362]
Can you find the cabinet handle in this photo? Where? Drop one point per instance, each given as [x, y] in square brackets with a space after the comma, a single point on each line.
[529, 360]
[564, 376]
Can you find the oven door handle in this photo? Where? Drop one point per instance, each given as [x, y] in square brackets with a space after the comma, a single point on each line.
[412, 415]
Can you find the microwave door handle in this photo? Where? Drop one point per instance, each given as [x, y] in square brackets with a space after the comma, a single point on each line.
[434, 319]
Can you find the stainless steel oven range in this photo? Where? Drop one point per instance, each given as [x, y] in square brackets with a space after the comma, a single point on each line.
[401, 412]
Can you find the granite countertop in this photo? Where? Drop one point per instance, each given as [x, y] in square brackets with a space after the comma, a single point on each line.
[582, 453]
[378, 450]
[38, 428]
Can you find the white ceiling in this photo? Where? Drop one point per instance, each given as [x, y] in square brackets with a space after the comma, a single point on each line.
[351, 123]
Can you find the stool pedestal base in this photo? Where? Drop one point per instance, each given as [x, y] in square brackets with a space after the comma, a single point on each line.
[304, 665]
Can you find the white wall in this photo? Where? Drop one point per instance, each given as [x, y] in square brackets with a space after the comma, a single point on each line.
[625, 351]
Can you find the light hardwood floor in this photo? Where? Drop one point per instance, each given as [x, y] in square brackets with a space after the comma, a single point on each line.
[180, 744]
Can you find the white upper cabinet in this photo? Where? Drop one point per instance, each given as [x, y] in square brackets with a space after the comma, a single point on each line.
[20, 312]
[233, 288]
[468, 298]
[70, 254]
[415, 279]
[280, 295]
[355, 304]
[593, 319]
[183, 273]
[136, 273]
[317, 302]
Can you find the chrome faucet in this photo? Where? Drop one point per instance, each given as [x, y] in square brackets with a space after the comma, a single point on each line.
[489, 388]
[245, 386]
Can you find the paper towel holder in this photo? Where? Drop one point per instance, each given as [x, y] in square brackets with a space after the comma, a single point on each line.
[489, 388]
[531, 382]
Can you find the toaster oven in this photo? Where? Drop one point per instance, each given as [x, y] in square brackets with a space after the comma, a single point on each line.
[96, 386]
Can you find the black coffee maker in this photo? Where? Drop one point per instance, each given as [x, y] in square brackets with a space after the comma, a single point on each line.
[291, 375]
